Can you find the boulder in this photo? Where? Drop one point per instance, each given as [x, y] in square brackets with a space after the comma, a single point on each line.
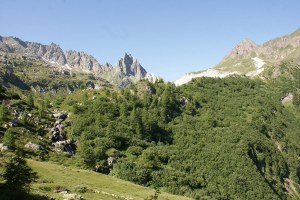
[3, 147]
[69, 196]
[32, 146]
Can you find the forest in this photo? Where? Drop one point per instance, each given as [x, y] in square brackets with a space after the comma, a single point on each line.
[230, 138]
[212, 138]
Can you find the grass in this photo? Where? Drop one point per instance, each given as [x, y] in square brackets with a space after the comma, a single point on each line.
[97, 186]
[241, 65]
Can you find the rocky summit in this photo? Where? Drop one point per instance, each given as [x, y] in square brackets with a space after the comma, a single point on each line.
[126, 71]
[250, 59]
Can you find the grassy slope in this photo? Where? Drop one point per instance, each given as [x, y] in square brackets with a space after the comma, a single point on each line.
[53, 175]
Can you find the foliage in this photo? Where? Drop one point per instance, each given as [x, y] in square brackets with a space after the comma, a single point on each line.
[18, 175]
[211, 138]
[3, 112]
[9, 138]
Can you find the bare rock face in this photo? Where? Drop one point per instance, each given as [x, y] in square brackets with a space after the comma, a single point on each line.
[130, 66]
[244, 48]
[55, 54]
[85, 62]
[36, 49]
[12, 45]
[52, 53]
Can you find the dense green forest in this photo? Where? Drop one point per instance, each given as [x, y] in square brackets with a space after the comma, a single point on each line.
[212, 138]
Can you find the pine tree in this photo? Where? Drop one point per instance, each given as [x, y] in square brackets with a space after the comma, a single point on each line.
[18, 175]
[9, 139]
[3, 112]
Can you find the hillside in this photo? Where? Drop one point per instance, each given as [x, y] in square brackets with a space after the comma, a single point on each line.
[211, 138]
[234, 137]
[93, 186]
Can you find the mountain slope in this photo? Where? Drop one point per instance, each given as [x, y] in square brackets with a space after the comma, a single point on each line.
[29, 73]
[248, 58]
[127, 70]
[97, 186]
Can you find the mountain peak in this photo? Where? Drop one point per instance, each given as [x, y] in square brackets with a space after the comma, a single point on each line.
[130, 66]
[244, 48]
[127, 55]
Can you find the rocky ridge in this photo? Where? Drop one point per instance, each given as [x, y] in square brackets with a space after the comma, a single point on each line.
[125, 71]
[250, 59]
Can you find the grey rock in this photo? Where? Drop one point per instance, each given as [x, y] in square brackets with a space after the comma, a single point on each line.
[32, 146]
[128, 70]
[69, 196]
[52, 53]
[130, 66]
[85, 62]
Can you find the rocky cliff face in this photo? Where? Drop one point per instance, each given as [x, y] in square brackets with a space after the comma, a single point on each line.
[12, 45]
[51, 53]
[85, 62]
[127, 70]
[130, 66]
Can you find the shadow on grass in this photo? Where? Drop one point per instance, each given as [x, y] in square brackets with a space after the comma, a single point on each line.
[8, 194]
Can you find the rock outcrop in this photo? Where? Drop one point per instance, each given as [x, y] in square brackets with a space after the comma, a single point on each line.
[243, 48]
[130, 67]
[51, 53]
[85, 62]
[57, 135]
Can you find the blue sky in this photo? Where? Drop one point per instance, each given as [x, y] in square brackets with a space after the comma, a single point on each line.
[169, 37]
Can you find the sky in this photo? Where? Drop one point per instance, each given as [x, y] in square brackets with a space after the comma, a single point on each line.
[168, 37]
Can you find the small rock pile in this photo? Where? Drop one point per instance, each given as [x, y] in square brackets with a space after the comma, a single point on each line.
[57, 135]
[19, 114]
[70, 196]
[66, 195]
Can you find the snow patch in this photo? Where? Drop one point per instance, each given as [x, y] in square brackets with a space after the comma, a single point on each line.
[152, 77]
[259, 63]
[56, 63]
[208, 73]
[52, 62]
[67, 66]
